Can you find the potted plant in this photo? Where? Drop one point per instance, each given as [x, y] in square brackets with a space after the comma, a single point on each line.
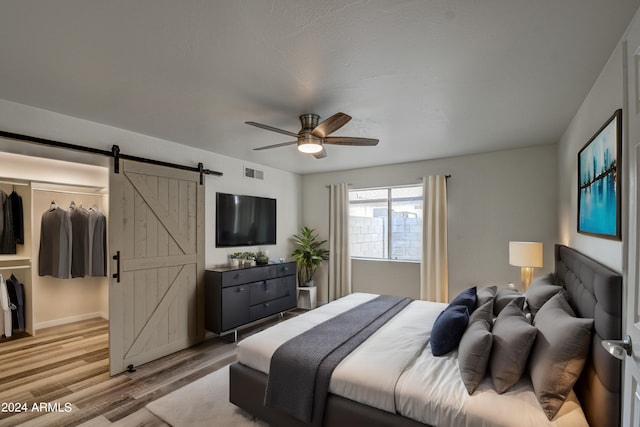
[262, 258]
[249, 258]
[308, 254]
[234, 259]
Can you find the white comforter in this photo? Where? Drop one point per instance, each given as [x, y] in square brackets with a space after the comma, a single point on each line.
[394, 370]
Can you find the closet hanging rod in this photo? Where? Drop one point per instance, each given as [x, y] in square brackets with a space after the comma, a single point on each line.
[114, 152]
[2, 181]
[15, 267]
[68, 192]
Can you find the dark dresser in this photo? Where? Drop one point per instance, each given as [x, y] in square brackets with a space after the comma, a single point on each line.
[237, 296]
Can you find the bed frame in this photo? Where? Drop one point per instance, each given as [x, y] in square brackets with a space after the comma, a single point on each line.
[594, 292]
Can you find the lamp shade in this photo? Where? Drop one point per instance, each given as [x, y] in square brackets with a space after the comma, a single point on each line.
[525, 254]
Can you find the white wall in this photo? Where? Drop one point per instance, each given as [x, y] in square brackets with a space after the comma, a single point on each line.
[281, 185]
[492, 198]
[605, 97]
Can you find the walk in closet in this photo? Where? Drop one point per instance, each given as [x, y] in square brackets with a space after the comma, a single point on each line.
[57, 297]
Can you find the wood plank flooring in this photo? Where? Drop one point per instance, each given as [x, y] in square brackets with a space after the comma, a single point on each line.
[61, 377]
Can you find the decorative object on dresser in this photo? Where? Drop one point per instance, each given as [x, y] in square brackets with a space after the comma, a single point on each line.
[308, 254]
[235, 297]
[234, 259]
[262, 258]
[527, 255]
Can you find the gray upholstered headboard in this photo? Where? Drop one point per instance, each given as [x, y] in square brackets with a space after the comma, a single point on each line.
[595, 292]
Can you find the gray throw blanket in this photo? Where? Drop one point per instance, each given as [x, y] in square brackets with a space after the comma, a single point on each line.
[301, 368]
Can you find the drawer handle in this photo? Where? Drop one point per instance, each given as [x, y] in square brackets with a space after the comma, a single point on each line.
[240, 289]
[266, 304]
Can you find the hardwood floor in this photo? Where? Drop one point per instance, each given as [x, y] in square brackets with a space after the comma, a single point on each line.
[61, 377]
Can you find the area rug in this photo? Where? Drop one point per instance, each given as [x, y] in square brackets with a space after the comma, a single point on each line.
[204, 402]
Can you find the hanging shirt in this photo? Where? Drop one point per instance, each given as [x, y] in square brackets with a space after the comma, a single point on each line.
[80, 241]
[7, 237]
[6, 308]
[15, 288]
[18, 217]
[55, 243]
[98, 227]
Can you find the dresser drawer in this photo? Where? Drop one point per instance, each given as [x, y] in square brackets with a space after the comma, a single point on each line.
[271, 289]
[234, 310]
[248, 275]
[286, 269]
[269, 308]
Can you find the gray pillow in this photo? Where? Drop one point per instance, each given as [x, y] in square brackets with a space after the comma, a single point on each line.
[513, 338]
[486, 294]
[540, 291]
[484, 312]
[559, 353]
[504, 297]
[474, 352]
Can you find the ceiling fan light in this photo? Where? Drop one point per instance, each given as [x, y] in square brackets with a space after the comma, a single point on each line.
[309, 146]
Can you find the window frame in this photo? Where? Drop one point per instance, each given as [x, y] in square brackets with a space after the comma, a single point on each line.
[389, 244]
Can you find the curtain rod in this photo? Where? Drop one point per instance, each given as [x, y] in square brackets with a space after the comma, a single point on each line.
[446, 177]
[114, 152]
[419, 179]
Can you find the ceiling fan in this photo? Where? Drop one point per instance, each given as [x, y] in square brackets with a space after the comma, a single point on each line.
[313, 136]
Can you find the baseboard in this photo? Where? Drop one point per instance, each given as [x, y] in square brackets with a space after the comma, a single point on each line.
[71, 319]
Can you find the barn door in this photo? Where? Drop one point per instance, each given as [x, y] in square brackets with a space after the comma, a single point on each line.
[631, 397]
[157, 228]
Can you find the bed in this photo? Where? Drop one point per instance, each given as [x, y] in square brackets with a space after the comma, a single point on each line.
[411, 387]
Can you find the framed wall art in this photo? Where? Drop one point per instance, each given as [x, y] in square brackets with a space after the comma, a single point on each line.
[599, 181]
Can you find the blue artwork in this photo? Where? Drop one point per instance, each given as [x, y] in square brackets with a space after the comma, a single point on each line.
[599, 182]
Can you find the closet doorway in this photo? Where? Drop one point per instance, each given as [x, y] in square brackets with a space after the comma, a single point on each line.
[157, 237]
[155, 223]
[52, 301]
[85, 294]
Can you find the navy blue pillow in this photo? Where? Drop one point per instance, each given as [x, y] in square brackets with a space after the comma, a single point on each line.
[448, 329]
[468, 298]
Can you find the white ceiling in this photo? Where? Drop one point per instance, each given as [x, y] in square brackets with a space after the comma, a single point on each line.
[429, 78]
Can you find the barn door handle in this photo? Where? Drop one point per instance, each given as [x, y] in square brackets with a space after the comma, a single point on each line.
[116, 275]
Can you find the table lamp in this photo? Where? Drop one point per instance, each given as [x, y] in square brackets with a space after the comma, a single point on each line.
[527, 255]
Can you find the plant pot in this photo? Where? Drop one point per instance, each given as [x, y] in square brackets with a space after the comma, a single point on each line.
[234, 262]
[308, 284]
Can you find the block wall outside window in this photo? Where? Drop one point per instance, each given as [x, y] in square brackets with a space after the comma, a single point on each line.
[370, 213]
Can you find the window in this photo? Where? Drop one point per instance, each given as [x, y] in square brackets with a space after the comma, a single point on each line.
[370, 213]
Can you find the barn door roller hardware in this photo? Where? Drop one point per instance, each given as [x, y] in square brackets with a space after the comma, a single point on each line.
[114, 152]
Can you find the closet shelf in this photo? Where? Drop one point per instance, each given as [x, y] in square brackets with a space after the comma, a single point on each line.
[15, 267]
[13, 258]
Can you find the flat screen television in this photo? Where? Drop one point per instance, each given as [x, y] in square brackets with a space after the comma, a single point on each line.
[245, 220]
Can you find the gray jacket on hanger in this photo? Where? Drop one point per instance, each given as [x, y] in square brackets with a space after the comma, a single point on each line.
[55, 243]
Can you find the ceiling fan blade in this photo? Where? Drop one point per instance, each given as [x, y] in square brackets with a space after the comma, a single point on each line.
[283, 144]
[350, 140]
[320, 154]
[272, 129]
[331, 125]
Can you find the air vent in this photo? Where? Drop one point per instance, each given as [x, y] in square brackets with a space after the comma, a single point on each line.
[253, 173]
